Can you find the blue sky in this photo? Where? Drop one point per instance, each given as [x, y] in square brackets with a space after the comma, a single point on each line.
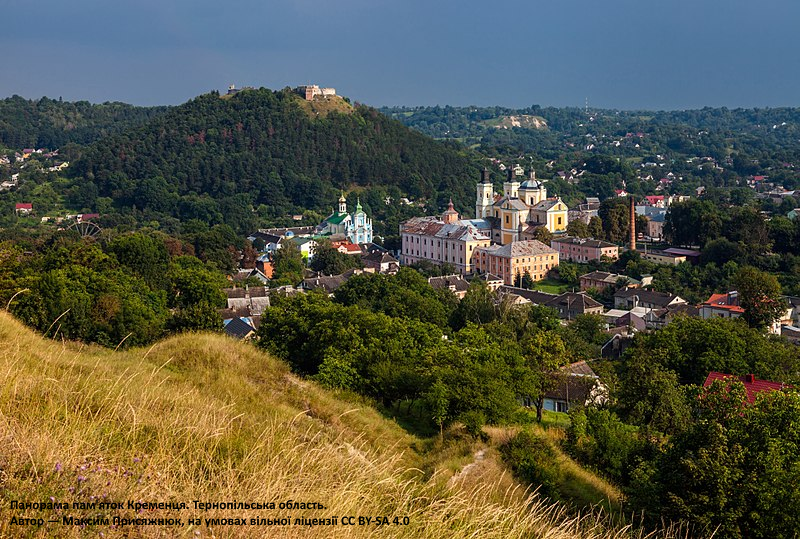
[623, 54]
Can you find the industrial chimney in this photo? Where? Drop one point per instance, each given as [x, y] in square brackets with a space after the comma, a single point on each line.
[633, 224]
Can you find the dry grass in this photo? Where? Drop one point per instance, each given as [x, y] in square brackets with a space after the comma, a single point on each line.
[201, 417]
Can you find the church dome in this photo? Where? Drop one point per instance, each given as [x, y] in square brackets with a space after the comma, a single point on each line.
[531, 184]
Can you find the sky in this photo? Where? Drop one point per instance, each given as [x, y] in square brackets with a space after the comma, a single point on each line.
[624, 54]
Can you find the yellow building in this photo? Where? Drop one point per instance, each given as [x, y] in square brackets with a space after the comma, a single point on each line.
[552, 213]
[514, 259]
[522, 206]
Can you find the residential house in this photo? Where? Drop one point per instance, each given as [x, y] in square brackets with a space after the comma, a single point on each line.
[493, 282]
[570, 305]
[721, 306]
[575, 384]
[457, 284]
[583, 250]
[655, 227]
[239, 328]
[630, 298]
[253, 298]
[534, 297]
[23, 208]
[752, 385]
[600, 280]
[514, 259]
[585, 211]
[792, 333]
[381, 262]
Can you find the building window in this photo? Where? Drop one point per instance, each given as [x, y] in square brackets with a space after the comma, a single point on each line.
[506, 219]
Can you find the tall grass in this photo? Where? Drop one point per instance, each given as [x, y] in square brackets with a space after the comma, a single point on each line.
[202, 417]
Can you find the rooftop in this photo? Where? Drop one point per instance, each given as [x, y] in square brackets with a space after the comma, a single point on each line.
[519, 248]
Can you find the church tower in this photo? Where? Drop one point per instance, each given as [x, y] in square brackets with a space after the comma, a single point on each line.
[532, 191]
[450, 216]
[342, 204]
[485, 196]
[511, 185]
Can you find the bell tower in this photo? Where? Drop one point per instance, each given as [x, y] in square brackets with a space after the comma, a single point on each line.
[485, 196]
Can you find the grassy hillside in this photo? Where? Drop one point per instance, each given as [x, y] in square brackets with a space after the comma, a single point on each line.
[202, 417]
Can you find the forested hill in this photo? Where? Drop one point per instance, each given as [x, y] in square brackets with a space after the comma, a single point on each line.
[49, 123]
[213, 158]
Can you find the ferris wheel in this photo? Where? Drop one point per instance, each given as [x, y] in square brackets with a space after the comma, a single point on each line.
[86, 229]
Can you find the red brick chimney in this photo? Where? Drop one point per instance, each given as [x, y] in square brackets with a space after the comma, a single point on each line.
[633, 224]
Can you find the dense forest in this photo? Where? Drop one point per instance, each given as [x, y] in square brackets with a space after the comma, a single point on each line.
[264, 153]
[49, 123]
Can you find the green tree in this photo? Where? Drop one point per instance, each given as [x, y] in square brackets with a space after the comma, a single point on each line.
[287, 263]
[329, 261]
[759, 296]
[577, 228]
[544, 354]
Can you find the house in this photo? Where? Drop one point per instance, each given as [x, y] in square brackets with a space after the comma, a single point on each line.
[570, 305]
[239, 328]
[583, 250]
[493, 282]
[621, 338]
[655, 227]
[585, 211]
[656, 201]
[514, 259]
[23, 208]
[457, 284]
[600, 280]
[253, 298]
[663, 257]
[752, 385]
[575, 384]
[382, 262]
[630, 298]
[792, 333]
[349, 249]
[244, 274]
[525, 296]
[721, 306]
[306, 246]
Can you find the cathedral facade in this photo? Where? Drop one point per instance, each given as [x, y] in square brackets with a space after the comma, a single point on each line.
[522, 208]
[356, 226]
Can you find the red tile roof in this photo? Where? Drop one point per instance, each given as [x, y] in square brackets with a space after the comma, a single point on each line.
[724, 301]
[24, 206]
[751, 384]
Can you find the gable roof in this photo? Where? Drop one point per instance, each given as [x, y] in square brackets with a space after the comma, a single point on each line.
[662, 299]
[457, 283]
[547, 204]
[238, 328]
[534, 296]
[574, 300]
[751, 384]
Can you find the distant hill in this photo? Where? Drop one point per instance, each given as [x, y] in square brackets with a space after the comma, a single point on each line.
[50, 123]
[523, 121]
[214, 158]
[202, 417]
